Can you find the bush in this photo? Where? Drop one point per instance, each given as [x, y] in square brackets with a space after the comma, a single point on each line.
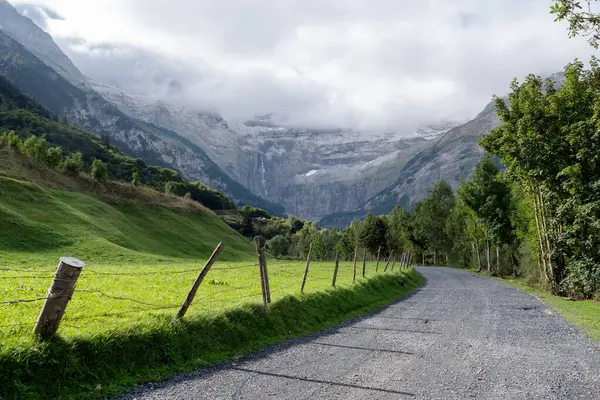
[278, 246]
[73, 165]
[99, 171]
[54, 157]
[135, 181]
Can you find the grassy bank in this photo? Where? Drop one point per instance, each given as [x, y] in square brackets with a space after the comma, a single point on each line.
[103, 362]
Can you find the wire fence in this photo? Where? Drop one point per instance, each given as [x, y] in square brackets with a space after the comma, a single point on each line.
[103, 298]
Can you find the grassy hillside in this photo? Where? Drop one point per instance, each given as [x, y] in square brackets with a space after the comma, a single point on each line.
[136, 225]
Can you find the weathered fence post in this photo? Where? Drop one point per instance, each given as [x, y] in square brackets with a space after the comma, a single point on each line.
[261, 270]
[355, 255]
[192, 293]
[306, 270]
[335, 270]
[364, 262]
[394, 262]
[388, 261]
[58, 297]
[263, 260]
[378, 254]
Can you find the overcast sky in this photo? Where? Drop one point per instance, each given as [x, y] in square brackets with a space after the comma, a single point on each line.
[370, 64]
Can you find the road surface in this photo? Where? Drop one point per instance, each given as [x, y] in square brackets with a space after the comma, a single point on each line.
[460, 336]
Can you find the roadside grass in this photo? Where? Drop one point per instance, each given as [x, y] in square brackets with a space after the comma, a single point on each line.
[107, 344]
[585, 314]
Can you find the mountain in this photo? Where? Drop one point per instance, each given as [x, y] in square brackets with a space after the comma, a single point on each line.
[451, 157]
[33, 63]
[312, 173]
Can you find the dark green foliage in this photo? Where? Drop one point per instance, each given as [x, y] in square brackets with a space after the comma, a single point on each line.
[550, 144]
[99, 171]
[278, 246]
[374, 234]
[73, 165]
[54, 157]
[255, 212]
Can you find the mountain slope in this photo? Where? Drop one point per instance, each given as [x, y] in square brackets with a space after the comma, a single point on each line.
[87, 109]
[311, 172]
[452, 158]
[83, 222]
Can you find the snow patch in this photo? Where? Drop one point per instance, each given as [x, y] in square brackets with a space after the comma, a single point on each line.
[311, 172]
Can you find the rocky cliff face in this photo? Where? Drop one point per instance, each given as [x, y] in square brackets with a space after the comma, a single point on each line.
[452, 157]
[312, 173]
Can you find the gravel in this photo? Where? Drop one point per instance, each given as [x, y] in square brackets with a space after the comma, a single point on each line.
[460, 336]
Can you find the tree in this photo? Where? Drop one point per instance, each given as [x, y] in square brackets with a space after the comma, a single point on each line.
[135, 179]
[431, 215]
[99, 171]
[374, 234]
[488, 196]
[73, 165]
[278, 246]
[54, 157]
[582, 21]
[550, 145]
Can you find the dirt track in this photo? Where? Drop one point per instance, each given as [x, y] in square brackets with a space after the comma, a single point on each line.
[459, 336]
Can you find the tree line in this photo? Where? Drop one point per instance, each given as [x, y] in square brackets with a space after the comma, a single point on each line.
[531, 207]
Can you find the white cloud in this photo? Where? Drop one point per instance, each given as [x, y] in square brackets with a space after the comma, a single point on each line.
[373, 64]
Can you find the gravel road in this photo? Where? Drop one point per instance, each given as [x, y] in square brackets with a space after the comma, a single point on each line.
[460, 336]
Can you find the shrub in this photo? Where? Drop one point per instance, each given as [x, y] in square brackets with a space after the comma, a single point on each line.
[54, 157]
[99, 171]
[278, 246]
[73, 165]
[135, 181]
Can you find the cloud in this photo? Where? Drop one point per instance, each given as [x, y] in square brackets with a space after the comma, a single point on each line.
[370, 64]
[38, 14]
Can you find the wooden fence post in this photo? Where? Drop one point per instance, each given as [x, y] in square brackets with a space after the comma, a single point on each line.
[388, 261]
[335, 270]
[192, 293]
[306, 270]
[378, 254]
[58, 297]
[355, 255]
[261, 271]
[364, 262]
[394, 262]
[263, 260]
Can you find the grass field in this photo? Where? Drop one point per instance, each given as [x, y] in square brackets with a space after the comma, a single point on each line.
[143, 252]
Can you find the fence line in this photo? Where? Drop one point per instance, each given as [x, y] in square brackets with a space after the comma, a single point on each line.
[211, 301]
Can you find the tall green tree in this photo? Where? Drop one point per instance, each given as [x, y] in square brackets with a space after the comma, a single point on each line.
[374, 234]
